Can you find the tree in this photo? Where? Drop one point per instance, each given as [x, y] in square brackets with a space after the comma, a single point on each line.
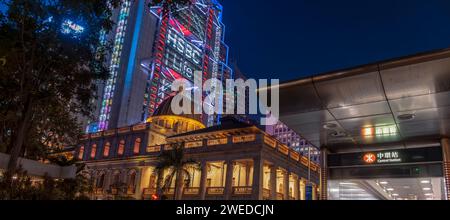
[54, 56]
[175, 162]
[21, 187]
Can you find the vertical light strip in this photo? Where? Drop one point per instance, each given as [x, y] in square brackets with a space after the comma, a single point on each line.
[108, 95]
[132, 57]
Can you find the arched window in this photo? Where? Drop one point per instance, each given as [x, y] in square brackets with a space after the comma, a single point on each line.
[137, 145]
[81, 153]
[115, 178]
[106, 149]
[121, 148]
[93, 151]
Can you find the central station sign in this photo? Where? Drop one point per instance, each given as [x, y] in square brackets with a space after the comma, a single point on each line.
[386, 157]
[382, 157]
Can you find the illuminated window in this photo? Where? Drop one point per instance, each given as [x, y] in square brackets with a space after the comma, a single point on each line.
[93, 151]
[121, 148]
[380, 131]
[137, 146]
[368, 131]
[106, 149]
[81, 153]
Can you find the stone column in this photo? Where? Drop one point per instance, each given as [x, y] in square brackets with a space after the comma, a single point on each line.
[107, 183]
[324, 174]
[229, 180]
[445, 142]
[286, 185]
[247, 172]
[258, 177]
[203, 177]
[296, 188]
[138, 185]
[273, 182]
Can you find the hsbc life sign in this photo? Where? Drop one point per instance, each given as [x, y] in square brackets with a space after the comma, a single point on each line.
[382, 157]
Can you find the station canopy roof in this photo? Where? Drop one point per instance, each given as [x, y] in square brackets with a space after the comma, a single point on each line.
[401, 103]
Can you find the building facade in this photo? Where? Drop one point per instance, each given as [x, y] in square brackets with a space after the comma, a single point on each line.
[293, 140]
[237, 161]
[151, 49]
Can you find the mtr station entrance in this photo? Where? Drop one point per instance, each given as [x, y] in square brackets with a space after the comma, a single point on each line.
[397, 174]
[383, 129]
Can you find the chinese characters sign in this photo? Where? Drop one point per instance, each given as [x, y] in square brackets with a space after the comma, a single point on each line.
[382, 157]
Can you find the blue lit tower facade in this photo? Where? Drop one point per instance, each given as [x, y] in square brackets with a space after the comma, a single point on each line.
[150, 51]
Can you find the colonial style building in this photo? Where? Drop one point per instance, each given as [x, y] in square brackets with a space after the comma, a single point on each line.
[237, 160]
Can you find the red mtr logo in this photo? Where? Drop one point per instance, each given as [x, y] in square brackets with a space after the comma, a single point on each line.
[370, 158]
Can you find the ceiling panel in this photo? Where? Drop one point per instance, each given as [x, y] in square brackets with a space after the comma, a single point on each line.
[377, 139]
[356, 98]
[318, 117]
[425, 114]
[358, 89]
[356, 124]
[376, 108]
[420, 128]
[299, 98]
[421, 102]
[417, 79]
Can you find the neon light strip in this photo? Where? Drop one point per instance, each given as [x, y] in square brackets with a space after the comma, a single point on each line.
[109, 90]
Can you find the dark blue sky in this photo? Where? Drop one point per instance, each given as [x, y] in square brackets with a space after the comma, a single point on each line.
[290, 39]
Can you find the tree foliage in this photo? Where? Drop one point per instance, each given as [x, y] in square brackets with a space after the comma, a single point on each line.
[49, 71]
[20, 186]
[177, 165]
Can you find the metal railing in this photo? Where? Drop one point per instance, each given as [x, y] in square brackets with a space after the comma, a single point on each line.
[242, 190]
[191, 191]
[215, 190]
[149, 191]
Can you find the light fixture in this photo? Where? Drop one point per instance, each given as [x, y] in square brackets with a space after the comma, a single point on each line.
[406, 117]
[428, 194]
[345, 183]
[395, 194]
[390, 189]
[426, 189]
[329, 126]
[425, 181]
[368, 131]
[383, 182]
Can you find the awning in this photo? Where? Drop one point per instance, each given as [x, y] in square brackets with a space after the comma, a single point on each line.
[400, 103]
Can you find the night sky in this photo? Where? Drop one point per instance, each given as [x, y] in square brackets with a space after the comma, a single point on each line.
[291, 39]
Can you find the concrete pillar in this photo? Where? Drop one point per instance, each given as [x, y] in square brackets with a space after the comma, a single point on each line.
[296, 188]
[247, 173]
[324, 174]
[138, 188]
[179, 186]
[258, 177]
[203, 177]
[229, 180]
[273, 182]
[445, 142]
[107, 183]
[286, 185]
